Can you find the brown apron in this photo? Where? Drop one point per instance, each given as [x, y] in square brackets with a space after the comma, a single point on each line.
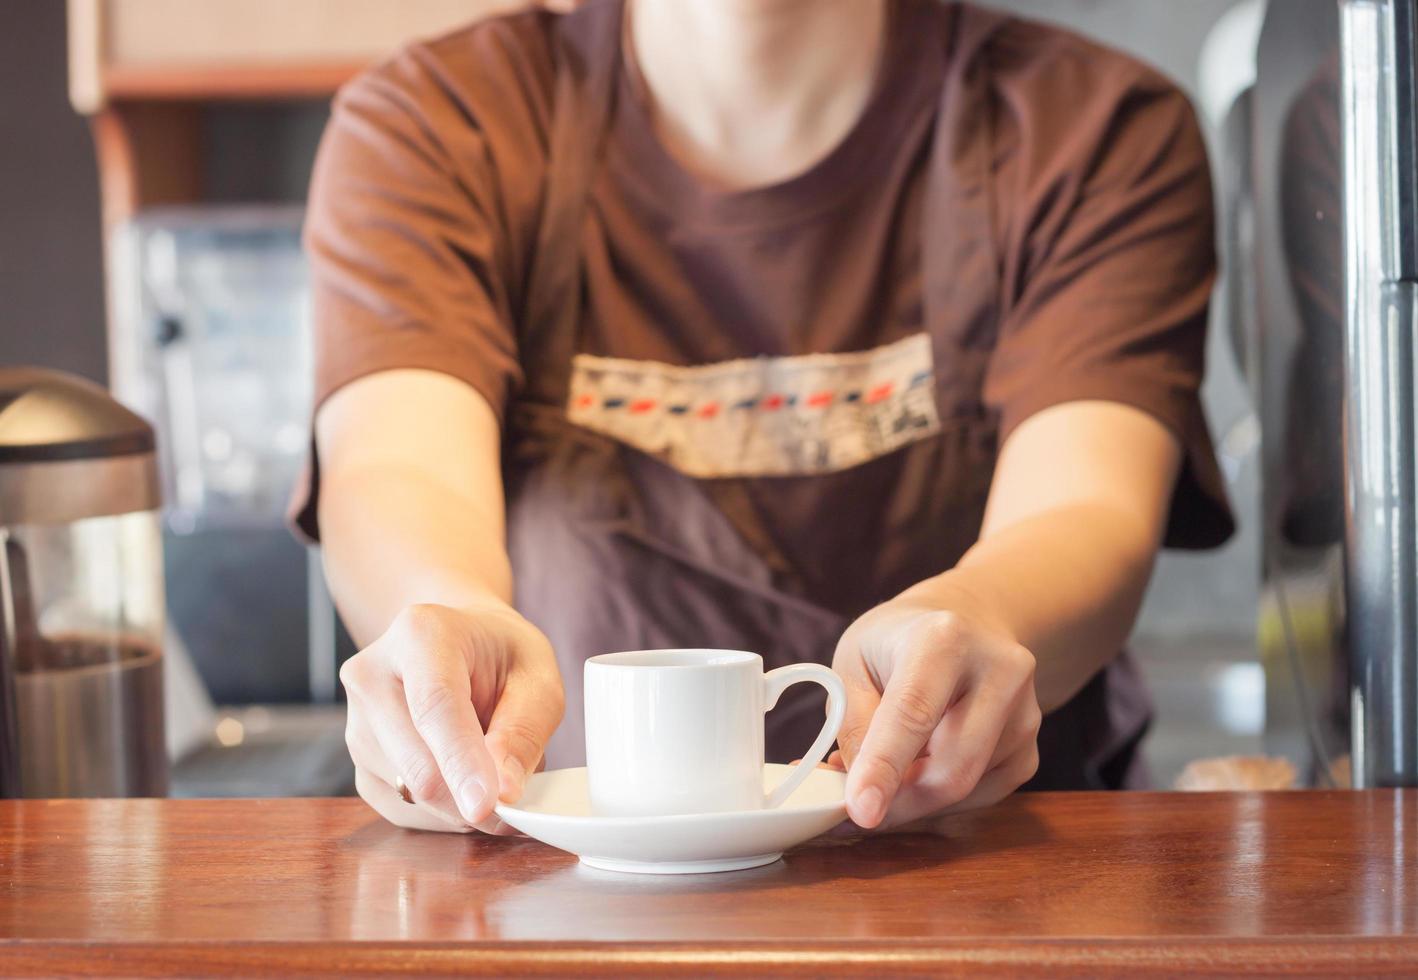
[614, 550]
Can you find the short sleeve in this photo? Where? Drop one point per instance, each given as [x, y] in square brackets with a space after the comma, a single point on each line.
[1109, 263]
[406, 235]
[402, 238]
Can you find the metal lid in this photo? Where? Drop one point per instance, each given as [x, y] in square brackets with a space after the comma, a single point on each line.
[68, 451]
[49, 416]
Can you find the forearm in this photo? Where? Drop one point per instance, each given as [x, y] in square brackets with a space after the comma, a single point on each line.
[947, 682]
[395, 537]
[411, 498]
[1065, 583]
[452, 695]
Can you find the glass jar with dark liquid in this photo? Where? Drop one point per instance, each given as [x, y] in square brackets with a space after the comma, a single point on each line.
[81, 594]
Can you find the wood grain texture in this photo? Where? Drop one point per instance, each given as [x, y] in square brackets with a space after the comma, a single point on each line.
[147, 155]
[141, 33]
[247, 49]
[207, 83]
[1314, 883]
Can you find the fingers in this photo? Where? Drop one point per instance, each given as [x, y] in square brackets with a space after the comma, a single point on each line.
[960, 752]
[955, 701]
[925, 661]
[1008, 775]
[438, 694]
[862, 703]
[388, 804]
[1013, 772]
[383, 741]
[376, 776]
[523, 721]
[911, 706]
[985, 747]
[386, 801]
[412, 715]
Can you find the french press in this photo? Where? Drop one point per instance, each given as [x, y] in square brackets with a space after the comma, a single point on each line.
[81, 593]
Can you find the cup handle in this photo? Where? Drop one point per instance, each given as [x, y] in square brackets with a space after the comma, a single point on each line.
[775, 682]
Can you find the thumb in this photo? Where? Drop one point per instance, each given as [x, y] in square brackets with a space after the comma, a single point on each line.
[525, 717]
[862, 701]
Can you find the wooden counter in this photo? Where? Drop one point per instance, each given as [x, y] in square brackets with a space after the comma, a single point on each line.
[1319, 882]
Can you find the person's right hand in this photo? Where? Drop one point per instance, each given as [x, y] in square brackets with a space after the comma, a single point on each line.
[459, 704]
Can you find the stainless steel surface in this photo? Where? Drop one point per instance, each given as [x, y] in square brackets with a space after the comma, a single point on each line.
[93, 731]
[211, 342]
[1333, 361]
[1377, 103]
[320, 628]
[70, 490]
[1292, 319]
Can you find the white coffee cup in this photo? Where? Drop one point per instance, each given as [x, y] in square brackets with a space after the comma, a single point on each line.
[681, 731]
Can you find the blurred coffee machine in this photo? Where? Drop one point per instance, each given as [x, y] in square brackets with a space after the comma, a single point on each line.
[211, 346]
[211, 343]
[81, 593]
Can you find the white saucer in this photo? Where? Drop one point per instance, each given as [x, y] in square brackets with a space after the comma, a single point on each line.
[556, 809]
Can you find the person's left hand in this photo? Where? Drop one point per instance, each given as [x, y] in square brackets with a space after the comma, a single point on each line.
[941, 709]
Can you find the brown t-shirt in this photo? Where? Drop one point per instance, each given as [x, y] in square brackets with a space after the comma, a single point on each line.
[788, 353]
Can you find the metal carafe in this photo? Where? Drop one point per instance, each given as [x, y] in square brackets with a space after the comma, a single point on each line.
[81, 593]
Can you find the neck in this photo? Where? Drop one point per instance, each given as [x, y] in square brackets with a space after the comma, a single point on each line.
[749, 92]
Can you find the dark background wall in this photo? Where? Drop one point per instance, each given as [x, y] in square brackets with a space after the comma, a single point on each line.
[51, 286]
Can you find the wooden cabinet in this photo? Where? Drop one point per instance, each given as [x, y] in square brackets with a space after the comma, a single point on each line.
[149, 72]
[270, 49]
